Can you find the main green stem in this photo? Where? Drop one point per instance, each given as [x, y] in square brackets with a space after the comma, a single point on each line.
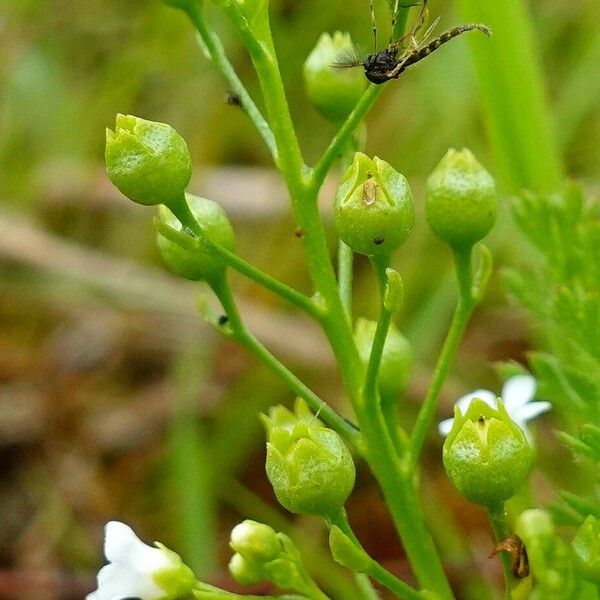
[303, 185]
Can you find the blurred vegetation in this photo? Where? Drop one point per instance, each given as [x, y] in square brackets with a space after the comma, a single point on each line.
[113, 394]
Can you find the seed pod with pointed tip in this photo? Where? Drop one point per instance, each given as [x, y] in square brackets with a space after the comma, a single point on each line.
[374, 210]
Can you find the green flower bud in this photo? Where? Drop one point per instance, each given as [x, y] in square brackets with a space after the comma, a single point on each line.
[308, 465]
[148, 161]
[374, 210]
[586, 547]
[461, 203]
[333, 91]
[255, 540]
[396, 360]
[245, 571]
[486, 454]
[198, 263]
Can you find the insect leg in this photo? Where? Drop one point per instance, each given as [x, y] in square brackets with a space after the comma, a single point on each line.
[420, 53]
[374, 26]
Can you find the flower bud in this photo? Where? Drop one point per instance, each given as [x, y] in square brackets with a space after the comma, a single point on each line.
[461, 203]
[332, 90]
[486, 454]
[308, 465]
[255, 540]
[148, 161]
[374, 210]
[396, 360]
[586, 547]
[245, 571]
[198, 263]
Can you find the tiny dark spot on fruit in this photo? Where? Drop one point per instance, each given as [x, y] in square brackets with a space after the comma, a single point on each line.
[223, 320]
[481, 419]
[379, 240]
[298, 232]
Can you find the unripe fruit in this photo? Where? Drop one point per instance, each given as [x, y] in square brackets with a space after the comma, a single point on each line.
[486, 454]
[201, 263]
[148, 161]
[374, 210]
[461, 204]
[333, 91]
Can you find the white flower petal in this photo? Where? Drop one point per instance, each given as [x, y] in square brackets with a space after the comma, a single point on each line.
[517, 391]
[530, 411]
[464, 402]
[445, 427]
[120, 582]
[122, 546]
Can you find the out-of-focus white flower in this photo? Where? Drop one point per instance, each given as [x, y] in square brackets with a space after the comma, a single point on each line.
[137, 570]
[517, 395]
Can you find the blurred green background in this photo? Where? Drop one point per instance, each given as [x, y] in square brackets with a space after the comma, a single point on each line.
[116, 401]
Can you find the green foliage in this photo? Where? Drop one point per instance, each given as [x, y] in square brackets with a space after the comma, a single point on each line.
[561, 287]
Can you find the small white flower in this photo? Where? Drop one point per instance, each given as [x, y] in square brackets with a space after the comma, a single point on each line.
[133, 568]
[517, 395]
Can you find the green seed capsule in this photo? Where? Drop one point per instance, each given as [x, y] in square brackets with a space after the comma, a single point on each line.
[199, 263]
[333, 91]
[461, 204]
[486, 454]
[308, 465]
[148, 161]
[374, 210]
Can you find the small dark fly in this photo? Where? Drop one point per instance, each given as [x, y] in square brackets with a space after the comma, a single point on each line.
[388, 63]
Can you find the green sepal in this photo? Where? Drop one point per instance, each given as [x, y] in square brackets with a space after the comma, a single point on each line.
[345, 551]
[393, 297]
[374, 209]
[177, 580]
